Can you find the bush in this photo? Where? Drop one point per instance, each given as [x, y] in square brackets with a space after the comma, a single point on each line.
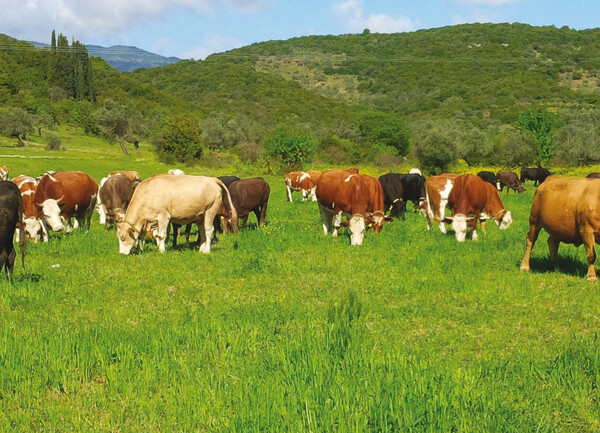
[291, 150]
[180, 141]
[53, 141]
[384, 129]
[578, 142]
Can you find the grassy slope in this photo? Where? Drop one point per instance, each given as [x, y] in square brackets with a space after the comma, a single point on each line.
[264, 332]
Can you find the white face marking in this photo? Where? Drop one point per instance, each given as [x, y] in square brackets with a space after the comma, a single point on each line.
[51, 212]
[52, 178]
[304, 176]
[357, 230]
[459, 225]
[29, 192]
[505, 222]
[33, 228]
[29, 180]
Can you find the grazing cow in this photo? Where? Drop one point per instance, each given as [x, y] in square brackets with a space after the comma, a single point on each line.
[471, 200]
[248, 195]
[4, 174]
[300, 181]
[489, 177]
[358, 197]
[34, 227]
[538, 175]
[509, 180]
[11, 217]
[115, 194]
[593, 176]
[180, 199]
[401, 188]
[100, 208]
[65, 194]
[437, 192]
[567, 208]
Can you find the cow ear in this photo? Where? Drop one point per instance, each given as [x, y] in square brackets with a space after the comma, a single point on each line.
[388, 219]
[39, 206]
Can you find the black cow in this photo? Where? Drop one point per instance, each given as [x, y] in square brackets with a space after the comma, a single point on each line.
[248, 195]
[11, 217]
[509, 180]
[538, 175]
[408, 187]
[593, 176]
[489, 177]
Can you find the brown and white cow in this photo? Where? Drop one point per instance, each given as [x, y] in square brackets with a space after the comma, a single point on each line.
[437, 190]
[182, 199]
[100, 207]
[63, 195]
[4, 174]
[115, 194]
[358, 197]
[472, 199]
[300, 181]
[35, 228]
[568, 209]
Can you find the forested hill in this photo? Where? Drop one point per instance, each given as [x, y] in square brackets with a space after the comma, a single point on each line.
[478, 69]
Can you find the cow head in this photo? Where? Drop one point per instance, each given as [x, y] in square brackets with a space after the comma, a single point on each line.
[503, 220]
[398, 209]
[50, 210]
[376, 220]
[521, 189]
[127, 235]
[459, 225]
[33, 228]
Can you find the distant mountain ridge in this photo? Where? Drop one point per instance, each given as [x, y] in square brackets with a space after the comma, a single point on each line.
[124, 58]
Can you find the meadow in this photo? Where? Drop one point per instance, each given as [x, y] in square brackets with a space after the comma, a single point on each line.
[284, 329]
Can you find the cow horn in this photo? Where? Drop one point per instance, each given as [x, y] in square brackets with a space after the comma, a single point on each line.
[61, 197]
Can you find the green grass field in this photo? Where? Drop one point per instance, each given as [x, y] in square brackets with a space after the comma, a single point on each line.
[283, 329]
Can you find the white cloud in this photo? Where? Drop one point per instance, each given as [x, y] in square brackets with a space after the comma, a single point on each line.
[352, 12]
[35, 19]
[212, 44]
[489, 2]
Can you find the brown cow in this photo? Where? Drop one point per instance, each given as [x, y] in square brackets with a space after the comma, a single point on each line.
[341, 192]
[437, 189]
[115, 194]
[473, 199]
[567, 208]
[248, 195]
[509, 180]
[64, 194]
[300, 181]
[34, 227]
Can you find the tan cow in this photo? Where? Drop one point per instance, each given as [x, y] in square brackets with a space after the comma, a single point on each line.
[569, 210]
[437, 189]
[180, 199]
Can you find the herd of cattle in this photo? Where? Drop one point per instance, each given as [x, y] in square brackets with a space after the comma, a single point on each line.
[142, 209]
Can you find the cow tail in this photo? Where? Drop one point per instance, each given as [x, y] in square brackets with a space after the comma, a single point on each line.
[22, 233]
[228, 204]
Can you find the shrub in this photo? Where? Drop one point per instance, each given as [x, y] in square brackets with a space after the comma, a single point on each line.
[291, 150]
[384, 129]
[180, 141]
[53, 141]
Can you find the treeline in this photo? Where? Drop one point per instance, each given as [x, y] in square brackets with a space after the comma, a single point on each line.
[433, 98]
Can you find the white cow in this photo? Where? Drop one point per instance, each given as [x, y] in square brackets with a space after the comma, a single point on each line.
[180, 199]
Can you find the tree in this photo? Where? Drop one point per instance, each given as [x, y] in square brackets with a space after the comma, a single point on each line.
[120, 123]
[180, 141]
[578, 141]
[292, 150]
[436, 151]
[16, 122]
[384, 130]
[539, 124]
[473, 146]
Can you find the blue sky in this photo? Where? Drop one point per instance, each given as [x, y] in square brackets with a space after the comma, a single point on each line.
[197, 28]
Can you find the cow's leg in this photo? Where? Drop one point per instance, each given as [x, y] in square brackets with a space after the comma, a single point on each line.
[289, 192]
[442, 214]
[208, 233]
[553, 247]
[337, 220]
[102, 213]
[263, 213]
[304, 194]
[589, 241]
[326, 218]
[44, 230]
[188, 230]
[534, 231]
[10, 265]
[484, 226]
[176, 228]
[161, 233]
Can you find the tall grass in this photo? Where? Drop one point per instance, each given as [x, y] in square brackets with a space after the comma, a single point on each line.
[284, 329]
